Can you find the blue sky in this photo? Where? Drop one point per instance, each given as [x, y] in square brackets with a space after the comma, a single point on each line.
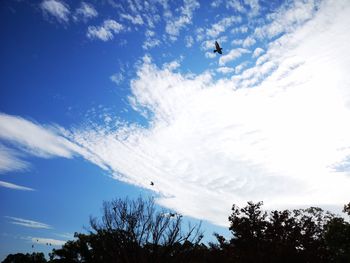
[98, 98]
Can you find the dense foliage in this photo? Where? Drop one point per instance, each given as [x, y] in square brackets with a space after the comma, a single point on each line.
[135, 231]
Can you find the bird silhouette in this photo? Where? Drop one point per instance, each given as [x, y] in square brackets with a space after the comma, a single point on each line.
[218, 48]
[151, 183]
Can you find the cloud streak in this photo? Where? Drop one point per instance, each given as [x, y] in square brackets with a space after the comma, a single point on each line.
[15, 186]
[28, 223]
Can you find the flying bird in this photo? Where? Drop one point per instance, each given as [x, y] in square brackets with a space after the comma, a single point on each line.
[218, 48]
[151, 183]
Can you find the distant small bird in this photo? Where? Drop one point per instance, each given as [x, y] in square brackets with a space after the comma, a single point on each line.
[172, 214]
[218, 48]
[151, 183]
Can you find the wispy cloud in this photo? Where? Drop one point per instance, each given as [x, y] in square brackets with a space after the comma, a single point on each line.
[106, 31]
[151, 40]
[225, 70]
[85, 12]
[28, 223]
[232, 55]
[257, 52]
[15, 186]
[29, 138]
[10, 161]
[254, 7]
[249, 7]
[287, 18]
[117, 78]
[57, 9]
[274, 132]
[249, 41]
[69, 236]
[136, 20]
[189, 41]
[173, 26]
[222, 25]
[38, 140]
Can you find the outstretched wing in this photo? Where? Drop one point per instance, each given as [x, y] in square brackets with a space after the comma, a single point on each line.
[217, 46]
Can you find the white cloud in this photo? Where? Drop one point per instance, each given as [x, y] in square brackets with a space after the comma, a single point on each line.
[56, 8]
[241, 66]
[106, 31]
[216, 142]
[225, 70]
[254, 7]
[66, 235]
[287, 18]
[237, 42]
[173, 26]
[85, 11]
[210, 54]
[189, 41]
[15, 186]
[210, 44]
[236, 5]
[28, 223]
[9, 160]
[257, 52]
[136, 20]
[117, 78]
[150, 43]
[30, 138]
[276, 132]
[216, 3]
[249, 41]
[232, 55]
[36, 139]
[240, 6]
[149, 33]
[172, 65]
[222, 25]
[240, 29]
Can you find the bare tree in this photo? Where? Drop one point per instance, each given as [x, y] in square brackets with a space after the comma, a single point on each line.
[141, 229]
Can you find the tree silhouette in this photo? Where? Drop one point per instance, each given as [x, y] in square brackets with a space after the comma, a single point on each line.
[303, 235]
[137, 231]
[132, 231]
[25, 258]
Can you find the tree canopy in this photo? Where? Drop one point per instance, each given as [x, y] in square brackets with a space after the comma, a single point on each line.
[137, 231]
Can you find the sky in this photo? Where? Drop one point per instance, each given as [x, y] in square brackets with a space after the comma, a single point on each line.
[99, 98]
